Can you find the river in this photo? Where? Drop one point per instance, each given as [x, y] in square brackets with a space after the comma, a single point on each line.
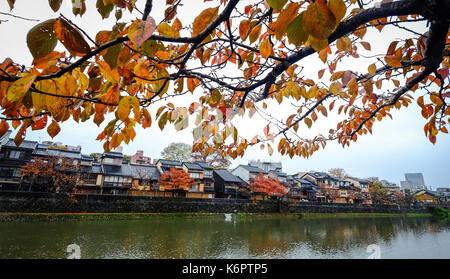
[216, 237]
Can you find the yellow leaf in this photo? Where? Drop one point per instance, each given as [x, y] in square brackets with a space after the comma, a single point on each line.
[254, 34]
[20, 87]
[285, 18]
[166, 30]
[344, 44]
[204, 19]
[265, 48]
[125, 105]
[338, 8]
[372, 69]
[317, 44]
[393, 61]
[111, 76]
[318, 20]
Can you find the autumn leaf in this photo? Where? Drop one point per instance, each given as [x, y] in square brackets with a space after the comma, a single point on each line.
[41, 39]
[202, 21]
[276, 4]
[125, 105]
[338, 8]
[372, 69]
[344, 44]
[393, 61]
[166, 30]
[265, 48]
[140, 30]
[4, 126]
[318, 20]
[53, 129]
[285, 18]
[71, 38]
[20, 87]
[295, 32]
[110, 75]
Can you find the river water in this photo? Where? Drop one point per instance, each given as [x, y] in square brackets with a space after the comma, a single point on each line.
[216, 237]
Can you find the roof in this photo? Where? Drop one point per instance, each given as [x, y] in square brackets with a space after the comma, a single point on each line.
[26, 144]
[144, 172]
[86, 157]
[252, 169]
[279, 173]
[123, 170]
[360, 180]
[192, 166]
[170, 162]
[227, 176]
[95, 168]
[306, 183]
[318, 175]
[204, 165]
[113, 154]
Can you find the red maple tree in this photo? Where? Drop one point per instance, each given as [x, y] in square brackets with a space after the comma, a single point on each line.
[267, 186]
[176, 180]
[51, 174]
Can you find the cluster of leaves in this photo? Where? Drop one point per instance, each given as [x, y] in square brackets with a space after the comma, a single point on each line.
[176, 180]
[58, 174]
[126, 70]
[267, 186]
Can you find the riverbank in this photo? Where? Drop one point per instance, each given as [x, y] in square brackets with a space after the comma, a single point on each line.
[59, 217]
[26, 202]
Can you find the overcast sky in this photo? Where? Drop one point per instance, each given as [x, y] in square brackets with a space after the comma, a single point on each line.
[397, 146]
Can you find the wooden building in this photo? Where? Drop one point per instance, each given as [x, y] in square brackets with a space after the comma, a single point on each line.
[229, 186]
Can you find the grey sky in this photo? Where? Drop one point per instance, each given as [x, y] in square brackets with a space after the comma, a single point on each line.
[396, 147]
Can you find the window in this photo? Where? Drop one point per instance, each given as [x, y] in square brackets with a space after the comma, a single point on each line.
[108, 161]
[194, 175]
[10, 174]
[15, 154]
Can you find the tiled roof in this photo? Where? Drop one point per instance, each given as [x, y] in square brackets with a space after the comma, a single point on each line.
[279, 173]
[86, 157]
[144, 172]
[170, 162]
[113, 154]
[26, 144]
[192, 166]
[123, 170]
[253, 169]
[204, 165]
[227, 176]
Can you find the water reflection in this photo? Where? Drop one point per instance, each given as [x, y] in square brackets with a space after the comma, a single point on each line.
[216, 238]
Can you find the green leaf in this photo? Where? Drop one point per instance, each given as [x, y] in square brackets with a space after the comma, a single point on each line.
[104, 9]
[295, 32]
[276, 4]
[41, 39]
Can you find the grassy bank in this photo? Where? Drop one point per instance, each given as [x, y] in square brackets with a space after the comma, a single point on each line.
[49, 217]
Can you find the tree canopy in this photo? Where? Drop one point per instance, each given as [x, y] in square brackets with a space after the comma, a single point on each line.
[236, 58]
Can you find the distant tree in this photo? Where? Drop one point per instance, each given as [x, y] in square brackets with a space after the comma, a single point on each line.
[268, 187]
[378, 193]
[94, 156]
[51, 174]
[337, 172]
[176, 180]
[177, 151]
[215, 159]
